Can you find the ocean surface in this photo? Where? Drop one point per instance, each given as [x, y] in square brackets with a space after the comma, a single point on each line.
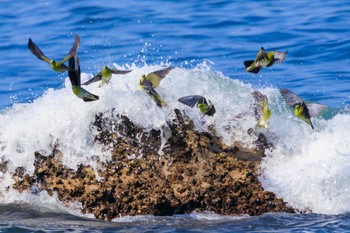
[206, 42]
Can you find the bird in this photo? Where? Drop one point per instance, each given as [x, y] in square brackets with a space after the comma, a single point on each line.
[75, 79]
[151, 81]
[55, 65]
[105, 75]
[302, 110]
[261, 109]
[264, 59]
[206, 107]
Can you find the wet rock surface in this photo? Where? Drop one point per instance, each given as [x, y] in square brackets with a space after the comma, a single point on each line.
[196, 172]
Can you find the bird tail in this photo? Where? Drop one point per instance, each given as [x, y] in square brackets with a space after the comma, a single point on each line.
[90, 97]
[159, 101]
[249, 67]
[253, 69]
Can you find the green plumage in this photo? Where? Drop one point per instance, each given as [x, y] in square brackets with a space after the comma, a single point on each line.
[105, 75]
[149, 82]
[55, 65]
[261, 109]
[264, 59]
[74, 76]
[206, 107]
[303, 111]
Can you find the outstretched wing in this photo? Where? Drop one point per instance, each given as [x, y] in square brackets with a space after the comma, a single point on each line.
[162, 73]
[116, 71]
[279, 57]
[315, 109]
[36, 51]
[74, 73]
[192, 100]
[290, 98]
[248, 63]
[96, 78]
[73, 50]
[261, 54]
[78, 69]
[259, 97]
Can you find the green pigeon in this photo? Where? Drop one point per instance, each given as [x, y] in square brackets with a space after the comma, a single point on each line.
[75, 79]
[264, 59]
[56, 66]
[151, 81]
[105, 75]
[206, 107]
[303, 111]
[261, 109]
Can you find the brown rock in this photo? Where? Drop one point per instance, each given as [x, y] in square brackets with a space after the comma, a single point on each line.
[196, 173]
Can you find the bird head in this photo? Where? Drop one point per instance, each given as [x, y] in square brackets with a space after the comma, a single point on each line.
[52, 62]
[203, 107]
[298, 109]
[143, 79]
[104, 68]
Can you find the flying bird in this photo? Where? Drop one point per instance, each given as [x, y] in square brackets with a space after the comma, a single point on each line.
[261, 109]
[151, 81]
[55, 65]
[303, 111]
[75, 79]
[264, 59]
[105, 75]
[206, 107]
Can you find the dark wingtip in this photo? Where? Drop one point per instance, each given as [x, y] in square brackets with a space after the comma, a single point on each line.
[248, 63]
[256, 70]
[30, 43]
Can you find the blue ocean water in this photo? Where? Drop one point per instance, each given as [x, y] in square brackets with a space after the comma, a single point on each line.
[188, 34]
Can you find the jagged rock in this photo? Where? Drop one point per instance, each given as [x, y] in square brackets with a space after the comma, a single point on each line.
[197, 172]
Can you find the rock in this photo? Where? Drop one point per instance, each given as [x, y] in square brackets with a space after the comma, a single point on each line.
[197, 172]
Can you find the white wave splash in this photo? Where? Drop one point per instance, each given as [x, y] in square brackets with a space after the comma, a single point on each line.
[310, 169]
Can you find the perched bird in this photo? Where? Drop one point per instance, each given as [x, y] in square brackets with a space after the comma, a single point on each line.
[151, 81]
[74, 76]
[302, 110]
[206, 107]
[105, 75]
[56, 66]
[264, 59]
[261, 109]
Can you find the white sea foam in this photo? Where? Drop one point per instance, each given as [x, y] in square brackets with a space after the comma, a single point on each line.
[308, 168]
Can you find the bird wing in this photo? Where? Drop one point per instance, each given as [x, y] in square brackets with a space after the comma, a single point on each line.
[259, 97]
[148, 87]
[116, 71]
[290, 98]
[74, 73]
[279, 57]
[36, 51]
[248, 63]
[261, 54]
[192, 100]
[78, 69]
[211, 111]
[96, 78]
[315, 109]
[162, 73]
[73, 50]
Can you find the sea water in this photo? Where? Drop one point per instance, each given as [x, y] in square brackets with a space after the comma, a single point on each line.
[207, 43]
